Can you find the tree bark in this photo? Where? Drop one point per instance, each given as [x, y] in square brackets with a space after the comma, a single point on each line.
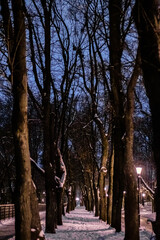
[146, 16]
[36, 229]
[73, 201]
[59, 206]
[69, 199]
[20, 128]
[48, 155]
[96, 201]
[25, 195]
[110, 190]
[102, 194]
[17, 64]
[61, 177]
[131, 197]
[103, 167]
[118, 111]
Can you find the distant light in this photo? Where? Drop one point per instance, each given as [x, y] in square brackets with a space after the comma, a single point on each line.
[77, 198]
[139, 170]
[124, 192]
[143, 194]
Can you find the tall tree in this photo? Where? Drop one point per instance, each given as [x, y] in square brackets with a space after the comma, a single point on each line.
[17, 60]
[91, 84]
[48, 153]
[54, 94]
[16, 46]
[122, 99]
[117, 100]
[147, 22]
[131, 197]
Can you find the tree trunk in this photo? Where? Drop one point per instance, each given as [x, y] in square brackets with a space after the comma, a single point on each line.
[147, 23]
[102, 194]
[50, 184]
[59, 206]
[25, 195]
[95, 189]
[131, 197]
[50, 168]
[48, 156]
[103, 168]
[69, 200]
[131, 202]
[36, 229]
[51, 198]
[50, 211]
[118, 176]
[60, 180]
[110, 190]
[20, 128]
[96, 201]
[73, 201]
[118, 111]
[92, 192]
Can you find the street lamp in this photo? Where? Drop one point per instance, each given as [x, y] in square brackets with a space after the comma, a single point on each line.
[139, 170]
[143, 196]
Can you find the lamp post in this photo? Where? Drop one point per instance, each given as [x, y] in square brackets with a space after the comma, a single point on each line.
[139, 170]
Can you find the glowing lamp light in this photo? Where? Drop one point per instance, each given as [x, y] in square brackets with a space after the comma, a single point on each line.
[77, 198]
[139, 170]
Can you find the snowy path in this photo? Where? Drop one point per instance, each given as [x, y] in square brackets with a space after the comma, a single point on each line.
[82, 225]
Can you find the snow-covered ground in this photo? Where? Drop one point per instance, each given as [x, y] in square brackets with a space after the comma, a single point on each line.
[83, 225]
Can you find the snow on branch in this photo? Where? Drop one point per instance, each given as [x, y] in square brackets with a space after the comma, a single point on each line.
[61, 180]
[35, 164]
[103, 169]
[100, 126]
[97, 118]
[146, 185]
[148, 192]
[88, 124]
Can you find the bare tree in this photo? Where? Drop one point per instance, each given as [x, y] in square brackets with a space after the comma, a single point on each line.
[16, 44]
[54, 90]
[123, 105]
[147, 23]
[131, 197]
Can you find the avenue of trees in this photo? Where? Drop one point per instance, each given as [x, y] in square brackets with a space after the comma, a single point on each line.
[79, 96]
